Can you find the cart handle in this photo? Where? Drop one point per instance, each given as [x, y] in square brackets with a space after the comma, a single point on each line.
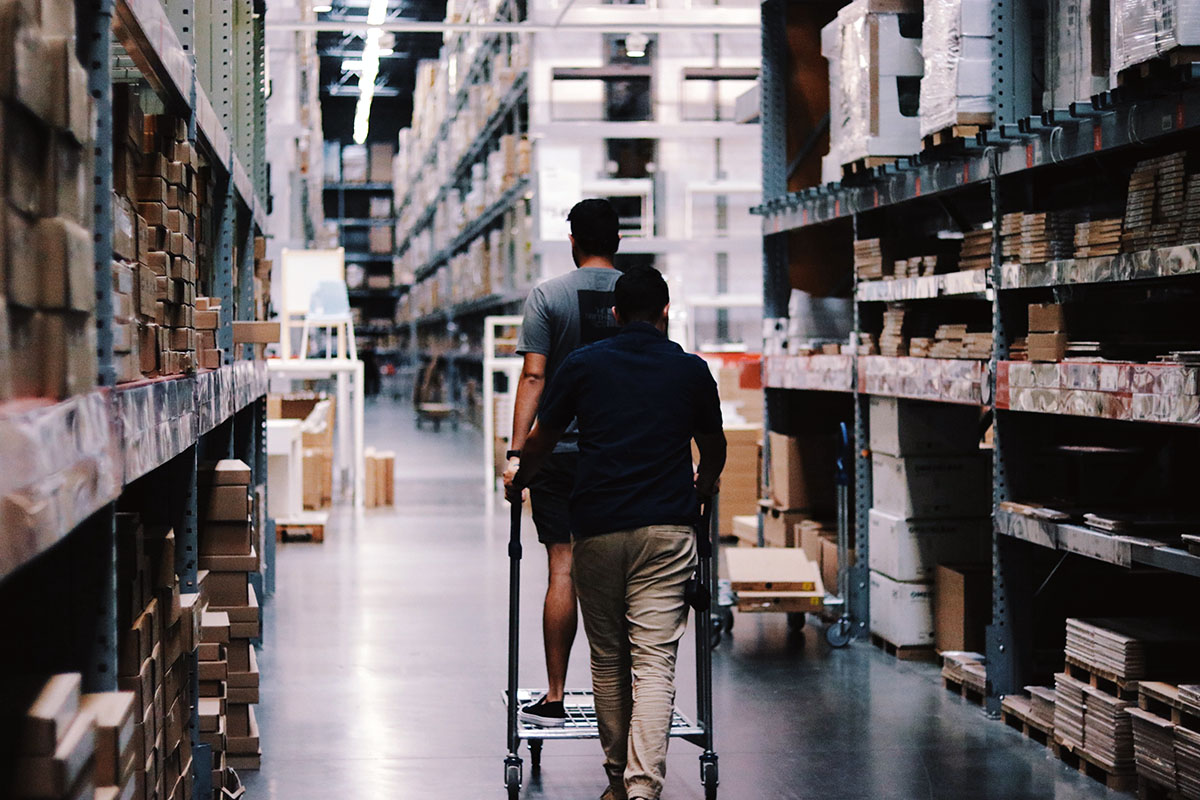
[514, 531]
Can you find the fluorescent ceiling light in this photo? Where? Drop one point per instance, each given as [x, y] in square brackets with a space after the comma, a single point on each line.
[322, 8]
[352, 65]
[387, 51]
[376, 16]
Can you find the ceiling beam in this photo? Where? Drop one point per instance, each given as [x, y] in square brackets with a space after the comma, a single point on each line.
[416, 26]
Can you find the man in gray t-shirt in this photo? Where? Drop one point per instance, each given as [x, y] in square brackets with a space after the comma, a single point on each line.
[562, 315]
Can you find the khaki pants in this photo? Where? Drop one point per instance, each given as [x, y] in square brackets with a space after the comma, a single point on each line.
[631, 592]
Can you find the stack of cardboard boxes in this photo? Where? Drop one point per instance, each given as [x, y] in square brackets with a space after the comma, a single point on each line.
[158, 630]
[931, 499]
[47, 276]
[381, 478]
[802, 472]
[77, 746]
[229, 553]
[208, 320]
[159, 203]
[1047, 339]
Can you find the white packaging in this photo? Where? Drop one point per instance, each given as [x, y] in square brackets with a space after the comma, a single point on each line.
[911, 549]
[936, 487]
[957, 83]
[866, 54]
[1076, 51]
[911, 427]
[901, 612]
[1144, 29]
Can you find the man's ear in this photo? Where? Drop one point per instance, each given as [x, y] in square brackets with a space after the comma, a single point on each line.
[571, 239]
[666, 315]
[617, 316]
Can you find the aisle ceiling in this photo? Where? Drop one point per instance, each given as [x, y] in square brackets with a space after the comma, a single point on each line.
[392, 108]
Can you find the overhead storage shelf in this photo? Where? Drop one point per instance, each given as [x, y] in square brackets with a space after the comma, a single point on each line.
[78, 454]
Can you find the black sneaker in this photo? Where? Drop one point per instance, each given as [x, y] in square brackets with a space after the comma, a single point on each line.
[547, 715]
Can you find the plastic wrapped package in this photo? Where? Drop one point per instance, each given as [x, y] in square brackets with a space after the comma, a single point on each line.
[957, 85]
[1076, 51]
[873, 69]
[1144, 29]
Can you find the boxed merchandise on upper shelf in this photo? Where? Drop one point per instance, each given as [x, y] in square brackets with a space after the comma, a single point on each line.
[1146, 29]
[957, 85]
[1076, 51]
[874, 54]
[47, 283]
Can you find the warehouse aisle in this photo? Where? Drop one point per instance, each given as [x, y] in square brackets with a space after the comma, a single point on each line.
[384, 660]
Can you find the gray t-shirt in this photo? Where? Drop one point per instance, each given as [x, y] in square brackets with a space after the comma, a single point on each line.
[564, 314]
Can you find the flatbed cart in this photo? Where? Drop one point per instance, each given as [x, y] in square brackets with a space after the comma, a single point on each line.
[797, 594]
[580, 706]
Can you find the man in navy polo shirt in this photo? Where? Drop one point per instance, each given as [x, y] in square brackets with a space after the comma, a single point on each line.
[639, 401]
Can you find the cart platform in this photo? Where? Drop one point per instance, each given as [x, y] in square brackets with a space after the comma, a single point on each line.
[581, 719]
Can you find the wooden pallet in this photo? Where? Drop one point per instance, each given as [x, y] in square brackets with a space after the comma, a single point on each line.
[309, 528]
[1107, 682]
[968, 693]
[863, 166]
[905, 652]
[1162, 700]
[1158, 68]
[1014, 711]
[946, 137]
[1090, 766]
[1149, 790]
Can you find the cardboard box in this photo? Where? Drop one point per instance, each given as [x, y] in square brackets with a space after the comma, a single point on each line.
[50, 715]
[1047, 346]
[910, 549]
[962, 607]
[226, 589]
[55, 775]
[902, 613]
[226, 539]
[779, 525]
[379, 240]
[225, 504]
[745, 528]
[214, 625]
[226, 472]
[231, 563]
[66, 264]
[936, 487]
[115, 720]
[911, 427]
[802, 472]
[1047, 318]
[829, 563]
[255, 332]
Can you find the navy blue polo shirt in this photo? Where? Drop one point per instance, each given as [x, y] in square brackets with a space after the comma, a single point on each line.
[639, 399]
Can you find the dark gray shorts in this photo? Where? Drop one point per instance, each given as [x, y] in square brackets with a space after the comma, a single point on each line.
[549, 494]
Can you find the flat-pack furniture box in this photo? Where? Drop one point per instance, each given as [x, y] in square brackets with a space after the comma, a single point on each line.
[911, 549]
[901, 612]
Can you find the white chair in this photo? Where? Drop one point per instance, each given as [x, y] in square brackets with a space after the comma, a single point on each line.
[329, 309]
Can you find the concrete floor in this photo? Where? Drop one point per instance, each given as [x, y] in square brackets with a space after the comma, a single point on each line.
[384, 661]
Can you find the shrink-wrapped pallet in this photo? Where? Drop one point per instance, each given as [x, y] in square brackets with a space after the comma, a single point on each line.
[956, 88]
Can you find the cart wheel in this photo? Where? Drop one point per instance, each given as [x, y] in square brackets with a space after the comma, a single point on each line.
[512, 776]
[709, 775]
[727, 619]
[535, 755]
[838, 633]
[714, 637]
[796, 620]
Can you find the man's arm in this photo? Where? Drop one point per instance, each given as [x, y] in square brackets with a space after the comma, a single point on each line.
[712, 461]
[529, 394]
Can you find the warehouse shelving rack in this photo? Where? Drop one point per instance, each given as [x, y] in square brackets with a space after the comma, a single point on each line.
[378, 303]
[1002, 163]
[68, 462]
[467, 317]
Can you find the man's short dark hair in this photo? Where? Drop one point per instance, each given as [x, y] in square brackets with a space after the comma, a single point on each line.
[641, 294]
[595, 226]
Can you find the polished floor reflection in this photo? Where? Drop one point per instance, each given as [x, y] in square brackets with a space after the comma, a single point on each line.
[384, 658]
